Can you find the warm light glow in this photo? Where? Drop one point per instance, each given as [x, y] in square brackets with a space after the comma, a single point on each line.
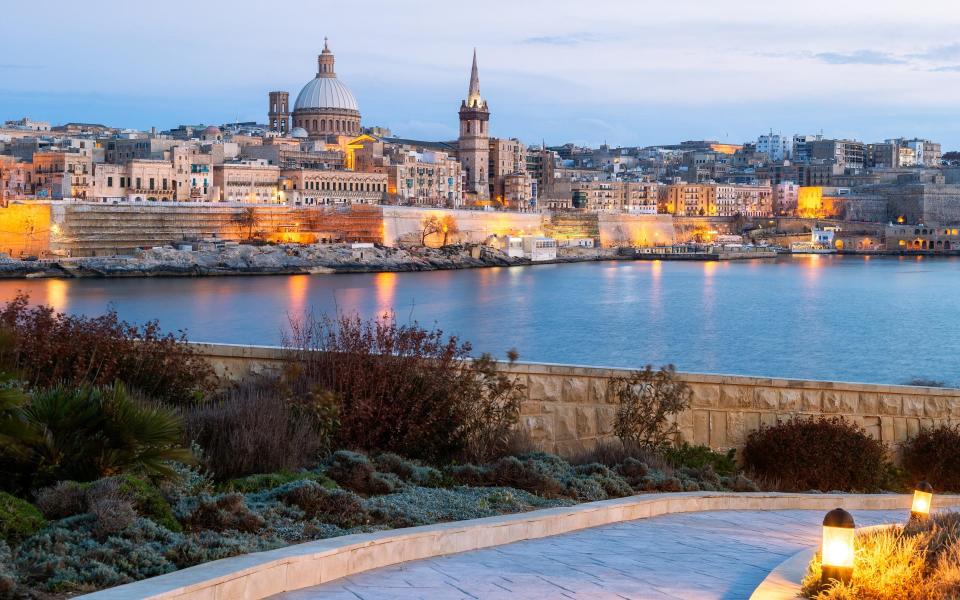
[838, 546]
[725, 148]
[921, 502]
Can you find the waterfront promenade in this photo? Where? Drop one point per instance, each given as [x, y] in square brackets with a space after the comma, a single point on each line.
[695, 556]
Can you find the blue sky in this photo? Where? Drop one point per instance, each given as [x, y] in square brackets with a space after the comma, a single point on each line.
[624, 72]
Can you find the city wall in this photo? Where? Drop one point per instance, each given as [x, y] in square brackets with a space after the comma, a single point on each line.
[567, 408]
[405, 223]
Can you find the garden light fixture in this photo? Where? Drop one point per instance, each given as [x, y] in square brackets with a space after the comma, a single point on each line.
[837, 549]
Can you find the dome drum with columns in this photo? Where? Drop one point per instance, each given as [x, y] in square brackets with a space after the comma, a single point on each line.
[325, 106]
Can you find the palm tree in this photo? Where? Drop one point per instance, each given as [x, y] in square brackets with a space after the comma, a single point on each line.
[86, 433]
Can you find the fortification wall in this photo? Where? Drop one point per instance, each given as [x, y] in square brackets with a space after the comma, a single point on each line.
[567, 408]
[406, 223]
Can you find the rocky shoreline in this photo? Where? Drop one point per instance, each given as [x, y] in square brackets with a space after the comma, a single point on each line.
[281, 260]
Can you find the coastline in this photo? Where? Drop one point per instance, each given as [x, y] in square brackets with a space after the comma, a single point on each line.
[282, 260]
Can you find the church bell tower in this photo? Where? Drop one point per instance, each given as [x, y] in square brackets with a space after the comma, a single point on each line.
[473, 146]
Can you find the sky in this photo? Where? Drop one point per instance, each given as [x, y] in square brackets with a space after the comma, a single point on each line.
[621, 72]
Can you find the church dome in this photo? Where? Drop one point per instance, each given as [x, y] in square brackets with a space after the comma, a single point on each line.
[299, 133]
[326, 92]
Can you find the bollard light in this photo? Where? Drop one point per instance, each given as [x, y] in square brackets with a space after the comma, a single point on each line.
[837, 548]
[922, 501]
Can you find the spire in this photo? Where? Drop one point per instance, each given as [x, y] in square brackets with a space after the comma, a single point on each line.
[326, 47]
[473, 96]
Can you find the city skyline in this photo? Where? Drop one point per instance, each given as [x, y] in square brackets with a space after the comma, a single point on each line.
[628, 77]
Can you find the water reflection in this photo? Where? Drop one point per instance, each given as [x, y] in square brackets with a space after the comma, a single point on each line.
[822, 317]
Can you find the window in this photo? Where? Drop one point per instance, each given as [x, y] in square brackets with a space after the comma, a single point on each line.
[109, 181]
[139, 182]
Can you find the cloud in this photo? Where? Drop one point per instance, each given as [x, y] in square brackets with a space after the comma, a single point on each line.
[935, 53]
[859, 57]
[946, 69]
[570, 39]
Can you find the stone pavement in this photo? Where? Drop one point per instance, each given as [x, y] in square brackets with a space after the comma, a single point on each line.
[693, 556]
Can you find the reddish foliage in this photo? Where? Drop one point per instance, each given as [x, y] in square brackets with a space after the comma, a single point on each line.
[824, 454]
[932, 456]
[402, 388]
[47, 348]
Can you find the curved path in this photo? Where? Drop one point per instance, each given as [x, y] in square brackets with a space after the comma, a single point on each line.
[692, 556]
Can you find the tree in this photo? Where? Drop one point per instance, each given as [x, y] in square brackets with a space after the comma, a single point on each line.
[247, 218]
[448, 225]
[429, 225]
[649, 403]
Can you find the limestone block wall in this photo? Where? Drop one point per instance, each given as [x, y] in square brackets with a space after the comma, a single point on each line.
[568, 409]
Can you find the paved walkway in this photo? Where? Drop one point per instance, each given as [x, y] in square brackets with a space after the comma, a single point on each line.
[694, 556]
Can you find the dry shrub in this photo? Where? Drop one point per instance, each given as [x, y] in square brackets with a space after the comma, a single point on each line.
[340, 507]
[228, 512]
[932, 455]
[112, 513]
[648, 405]
[49, 348]
[817, 454]
[403, 388]
[250, 431]
[64, 499]
[354, 471]
[615, 452]
[921, 560]
[510, 471]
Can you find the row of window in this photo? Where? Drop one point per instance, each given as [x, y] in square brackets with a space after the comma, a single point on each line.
[343, 186]
[335, 125]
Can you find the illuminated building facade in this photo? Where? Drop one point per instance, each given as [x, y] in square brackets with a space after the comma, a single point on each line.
[249, 181]
[473, 145]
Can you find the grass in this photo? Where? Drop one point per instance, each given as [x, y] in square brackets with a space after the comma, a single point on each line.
[921, 560]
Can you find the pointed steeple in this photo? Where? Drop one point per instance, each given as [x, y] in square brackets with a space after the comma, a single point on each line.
[473, 96]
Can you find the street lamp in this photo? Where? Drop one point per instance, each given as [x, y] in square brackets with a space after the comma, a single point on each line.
[837, 547]
[922, 501]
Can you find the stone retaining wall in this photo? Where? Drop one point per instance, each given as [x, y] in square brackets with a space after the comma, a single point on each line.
[568, 408]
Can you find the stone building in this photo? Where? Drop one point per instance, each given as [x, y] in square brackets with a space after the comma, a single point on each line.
[310, 187]
[746, 200]
[922, 197]
[688, 200]
[247, 181]
[508, 157]
[278, 114]
[325, 107]
[59, 175]
[418, 173]
[473, 146]
[922, 238]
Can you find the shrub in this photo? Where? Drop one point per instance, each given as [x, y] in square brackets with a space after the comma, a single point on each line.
[223, 513]
[49, 348]
[354, 471]
[648, 403]
[64, 499]
[112, 513]
[251, 430]
[67, 557]
[822, 453]
[205, 546]
[86, 433]
[18, 519]
[268, 481]
[8, 573]
[699, 457]
[403, 388]
[143, 497]
[932, 456]
[410, 471]
[340, 507]
[510, 471]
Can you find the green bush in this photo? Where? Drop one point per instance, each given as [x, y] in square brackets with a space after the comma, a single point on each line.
[83, 434]
[145, 498]
[267, 481]
[18, 519]
[699, 457]
[933, 455]
[817, 454]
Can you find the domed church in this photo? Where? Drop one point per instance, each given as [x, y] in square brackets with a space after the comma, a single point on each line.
[325, 107]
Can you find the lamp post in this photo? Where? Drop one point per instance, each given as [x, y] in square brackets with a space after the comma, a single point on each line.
[922, 501]
[837, 547]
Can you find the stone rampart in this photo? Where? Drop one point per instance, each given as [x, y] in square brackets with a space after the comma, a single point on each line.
[568, 409]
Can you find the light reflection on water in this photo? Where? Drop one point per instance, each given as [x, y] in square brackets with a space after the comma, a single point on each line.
[819, 316]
